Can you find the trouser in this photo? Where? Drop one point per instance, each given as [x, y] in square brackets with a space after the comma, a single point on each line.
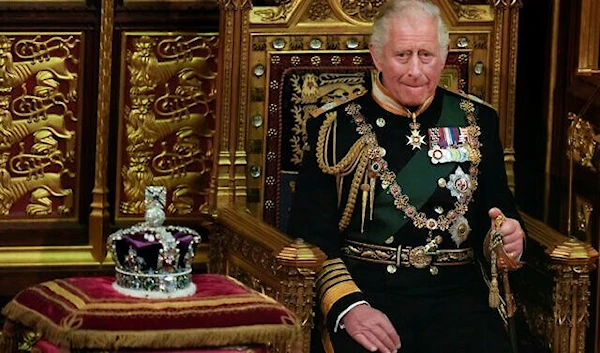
[454, 320]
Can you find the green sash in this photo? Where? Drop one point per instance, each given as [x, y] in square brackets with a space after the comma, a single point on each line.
[418, 180]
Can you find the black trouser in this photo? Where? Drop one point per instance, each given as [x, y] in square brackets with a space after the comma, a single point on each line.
[445, 319]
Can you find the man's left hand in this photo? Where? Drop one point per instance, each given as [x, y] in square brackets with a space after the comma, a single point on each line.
[512, 234]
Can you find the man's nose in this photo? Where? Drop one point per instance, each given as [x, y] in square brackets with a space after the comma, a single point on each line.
[414, 68]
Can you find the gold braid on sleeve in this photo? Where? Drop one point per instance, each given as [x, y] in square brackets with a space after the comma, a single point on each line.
[356, 160]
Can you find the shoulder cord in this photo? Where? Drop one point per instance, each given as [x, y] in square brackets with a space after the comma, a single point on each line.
[356, 160]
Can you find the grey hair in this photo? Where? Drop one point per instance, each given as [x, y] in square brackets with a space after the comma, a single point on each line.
[412, 9]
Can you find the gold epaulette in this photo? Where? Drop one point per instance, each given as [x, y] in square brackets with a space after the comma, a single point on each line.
[473, 98]
[336, 103]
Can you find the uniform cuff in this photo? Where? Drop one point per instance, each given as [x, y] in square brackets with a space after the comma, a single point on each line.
[333, 283]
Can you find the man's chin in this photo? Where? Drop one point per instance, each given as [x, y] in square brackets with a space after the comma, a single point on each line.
[412, 96]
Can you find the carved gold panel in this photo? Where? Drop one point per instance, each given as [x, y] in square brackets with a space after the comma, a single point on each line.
[40, 120]
[166, 120]
[359, 13]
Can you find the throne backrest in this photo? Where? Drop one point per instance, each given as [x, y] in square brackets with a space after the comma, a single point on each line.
[305, 54]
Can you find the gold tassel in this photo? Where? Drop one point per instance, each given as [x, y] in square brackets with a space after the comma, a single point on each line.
[372, 198]
[494, 297]
[365, 194]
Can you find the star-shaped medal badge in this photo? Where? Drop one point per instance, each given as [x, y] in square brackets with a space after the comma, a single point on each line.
[460, 184]
[415, 139]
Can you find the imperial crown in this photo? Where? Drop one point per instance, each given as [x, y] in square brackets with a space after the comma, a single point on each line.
[154, 261]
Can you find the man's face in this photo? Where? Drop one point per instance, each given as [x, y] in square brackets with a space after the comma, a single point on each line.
[411, 60]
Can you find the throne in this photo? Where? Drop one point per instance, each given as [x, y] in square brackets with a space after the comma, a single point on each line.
[299, 55]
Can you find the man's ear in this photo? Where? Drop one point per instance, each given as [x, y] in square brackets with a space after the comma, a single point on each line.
[375, 55]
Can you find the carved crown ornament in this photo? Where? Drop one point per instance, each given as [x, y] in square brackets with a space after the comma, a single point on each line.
[360, 12]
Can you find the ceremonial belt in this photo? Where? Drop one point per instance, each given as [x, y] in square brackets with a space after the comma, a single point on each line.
[407, 256]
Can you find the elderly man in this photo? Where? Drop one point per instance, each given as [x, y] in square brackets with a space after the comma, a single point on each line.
[399, 188]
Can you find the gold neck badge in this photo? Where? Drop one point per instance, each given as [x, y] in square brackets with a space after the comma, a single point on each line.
[383, 97]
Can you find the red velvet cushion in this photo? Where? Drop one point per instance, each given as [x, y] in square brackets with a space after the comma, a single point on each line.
[43, 346]
[86, 312]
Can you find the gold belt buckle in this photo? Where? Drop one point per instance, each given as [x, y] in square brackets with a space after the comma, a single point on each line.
[418, 257]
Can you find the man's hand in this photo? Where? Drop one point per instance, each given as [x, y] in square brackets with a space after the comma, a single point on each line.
[372, 329]
[513, 234]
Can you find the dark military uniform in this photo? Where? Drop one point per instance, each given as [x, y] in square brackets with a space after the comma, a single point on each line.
[436, 306]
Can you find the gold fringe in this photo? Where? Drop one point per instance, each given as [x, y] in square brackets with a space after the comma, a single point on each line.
[175, 338]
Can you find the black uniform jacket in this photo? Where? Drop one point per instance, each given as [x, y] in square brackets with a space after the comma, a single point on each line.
[316, 214]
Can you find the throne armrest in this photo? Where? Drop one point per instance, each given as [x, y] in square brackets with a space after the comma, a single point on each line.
[553, 289]
[267, 260]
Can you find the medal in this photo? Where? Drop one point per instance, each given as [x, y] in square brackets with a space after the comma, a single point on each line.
[415, 139]
[460, 230]
[450, 144]
[459, 184]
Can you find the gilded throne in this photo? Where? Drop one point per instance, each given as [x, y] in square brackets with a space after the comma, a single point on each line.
[278, 60]
[299, 55]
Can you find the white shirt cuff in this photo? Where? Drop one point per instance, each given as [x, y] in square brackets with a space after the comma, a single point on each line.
[338, 322]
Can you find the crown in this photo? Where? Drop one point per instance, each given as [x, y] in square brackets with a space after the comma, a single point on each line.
[154, 261]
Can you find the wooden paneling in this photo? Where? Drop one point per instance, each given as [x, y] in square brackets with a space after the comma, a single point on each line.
[68, 133]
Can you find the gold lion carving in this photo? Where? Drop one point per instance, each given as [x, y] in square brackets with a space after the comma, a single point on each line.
[15, 74]
[12, 189]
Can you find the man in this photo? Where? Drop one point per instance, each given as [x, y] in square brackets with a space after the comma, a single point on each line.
[399, 188]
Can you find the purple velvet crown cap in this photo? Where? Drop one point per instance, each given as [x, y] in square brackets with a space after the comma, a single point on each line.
[147, 247]
[154, 261]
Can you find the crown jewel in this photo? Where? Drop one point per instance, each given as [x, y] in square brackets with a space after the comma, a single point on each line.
[154, 261]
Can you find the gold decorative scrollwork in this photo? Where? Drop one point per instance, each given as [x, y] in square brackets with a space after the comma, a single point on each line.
[363, 11]
[279, 13]
[571, 312]
[169, 135]
[583, 141]
[37, 145]
[319, 10]
[472, 12]
[311, 91]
